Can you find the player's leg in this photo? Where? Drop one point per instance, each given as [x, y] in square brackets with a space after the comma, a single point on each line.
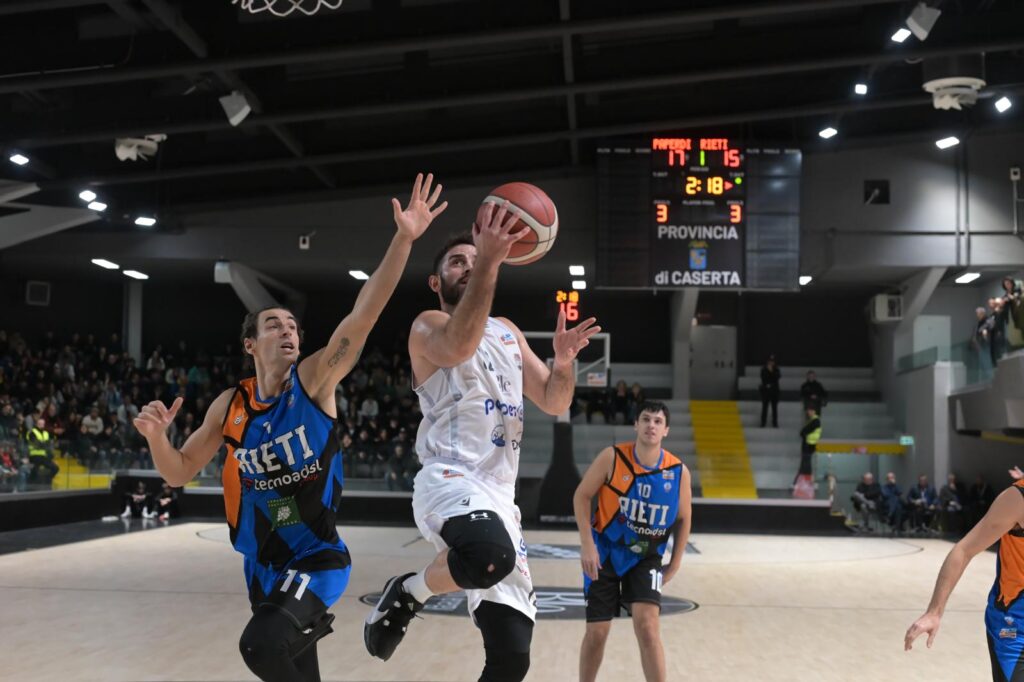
[479, 555]
[507, 634]
[592, 649]
[290, 615]
[647, 626]
[641, 590]
[604, 600]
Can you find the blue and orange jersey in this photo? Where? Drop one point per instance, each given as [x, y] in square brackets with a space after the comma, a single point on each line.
[283, 476]
[637, 507]
[1009, 584]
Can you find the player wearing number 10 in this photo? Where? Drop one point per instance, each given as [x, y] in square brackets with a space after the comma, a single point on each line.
[283, 475]
[643, 496]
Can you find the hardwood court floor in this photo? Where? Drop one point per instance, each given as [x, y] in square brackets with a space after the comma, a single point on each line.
[169, 604]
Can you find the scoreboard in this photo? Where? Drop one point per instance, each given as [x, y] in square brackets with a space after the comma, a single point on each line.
[677, 211]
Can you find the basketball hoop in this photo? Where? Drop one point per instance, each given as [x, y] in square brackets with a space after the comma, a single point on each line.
[282, 8]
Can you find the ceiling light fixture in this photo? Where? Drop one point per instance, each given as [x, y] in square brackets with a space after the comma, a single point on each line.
[922, 19]
[900, 35]
[805, 280]
[827, 133]
[861, 88]
[1002, 104]
[144, 221]
[358, 274]
[579, 284]
[19, 159]
[576, 270]
[105, 264]
[97, 206]
[87, 195]
[135, 274]
[947, 142]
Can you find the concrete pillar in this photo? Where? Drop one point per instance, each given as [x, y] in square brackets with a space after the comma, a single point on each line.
[131, 335]
[683, 308]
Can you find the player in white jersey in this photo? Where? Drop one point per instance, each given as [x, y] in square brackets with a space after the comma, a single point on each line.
[471, 372]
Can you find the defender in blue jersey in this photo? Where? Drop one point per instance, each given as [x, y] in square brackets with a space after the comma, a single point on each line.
[643, 498]
[283, 475]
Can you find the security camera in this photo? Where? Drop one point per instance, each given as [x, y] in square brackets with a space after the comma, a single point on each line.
[133, 148]
[1015, 173]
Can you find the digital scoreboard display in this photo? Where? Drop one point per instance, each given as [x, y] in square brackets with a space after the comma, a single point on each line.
[697, 195]
[697, 211]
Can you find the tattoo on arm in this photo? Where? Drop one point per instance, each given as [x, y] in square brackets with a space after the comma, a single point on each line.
[340, 353]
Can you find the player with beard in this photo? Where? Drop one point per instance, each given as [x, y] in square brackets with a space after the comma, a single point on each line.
[471, 372]
[283, 475]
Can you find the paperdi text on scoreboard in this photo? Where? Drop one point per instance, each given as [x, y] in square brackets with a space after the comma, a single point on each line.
[698, 212]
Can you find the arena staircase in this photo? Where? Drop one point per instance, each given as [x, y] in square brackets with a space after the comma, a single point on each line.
[722, 458]
[74, 476]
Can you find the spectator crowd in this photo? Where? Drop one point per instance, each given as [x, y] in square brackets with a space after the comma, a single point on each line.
[990, 336]
[954, 509]
[77, 397]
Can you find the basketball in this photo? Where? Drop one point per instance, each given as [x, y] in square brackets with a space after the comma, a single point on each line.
[539, 216]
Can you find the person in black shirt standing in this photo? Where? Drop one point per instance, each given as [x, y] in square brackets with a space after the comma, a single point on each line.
[813, 393]
[769, 388]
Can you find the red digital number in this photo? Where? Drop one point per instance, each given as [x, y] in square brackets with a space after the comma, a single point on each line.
[570, 311]
[662, 213]
[735, 213]
[732, 158]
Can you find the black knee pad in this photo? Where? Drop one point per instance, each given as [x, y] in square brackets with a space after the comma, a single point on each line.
[477, 541]
[505, 666]
[273, 638]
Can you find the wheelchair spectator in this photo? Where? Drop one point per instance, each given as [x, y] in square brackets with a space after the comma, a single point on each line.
[924, 504]
[867, 498]
[892, 496]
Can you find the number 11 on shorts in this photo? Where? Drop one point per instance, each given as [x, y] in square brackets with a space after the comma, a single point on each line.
[304, 580]
[656, 578]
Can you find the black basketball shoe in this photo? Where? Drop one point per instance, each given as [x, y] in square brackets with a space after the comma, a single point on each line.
[385, 626]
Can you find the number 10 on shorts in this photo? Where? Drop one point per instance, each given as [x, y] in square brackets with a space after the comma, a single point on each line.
[656, 578]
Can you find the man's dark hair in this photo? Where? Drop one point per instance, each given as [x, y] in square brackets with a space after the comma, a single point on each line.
[653, 406]
[249, 324]
[453, 241]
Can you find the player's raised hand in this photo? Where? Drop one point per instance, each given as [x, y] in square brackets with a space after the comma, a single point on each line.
[154, 418]
[929, 623]
[493, 236]
[421, 211]
[569, 342]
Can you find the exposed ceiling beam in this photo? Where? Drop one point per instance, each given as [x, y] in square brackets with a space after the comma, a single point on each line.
[43, 138]
[459, 40]
[569, 77]
[28, 6]
[171, 18]
[459, 145]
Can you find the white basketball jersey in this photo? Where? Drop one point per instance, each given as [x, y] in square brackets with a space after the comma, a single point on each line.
[473, 412]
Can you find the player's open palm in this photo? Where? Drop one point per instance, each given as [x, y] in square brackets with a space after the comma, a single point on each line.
[928, 623]
[493, 235]
[154, 417]
[569, 342]
[414, 219]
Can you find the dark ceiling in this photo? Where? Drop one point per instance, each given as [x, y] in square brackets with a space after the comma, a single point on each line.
[371, 93]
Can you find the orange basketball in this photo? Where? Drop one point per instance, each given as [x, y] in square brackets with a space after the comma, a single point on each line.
[539, 216]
